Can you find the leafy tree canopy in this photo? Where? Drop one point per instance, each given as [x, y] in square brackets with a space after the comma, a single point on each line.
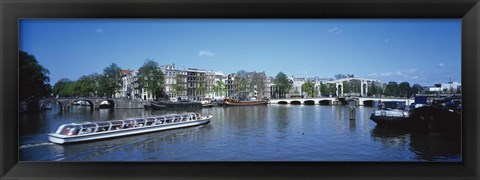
[152, 78]
[34, 79]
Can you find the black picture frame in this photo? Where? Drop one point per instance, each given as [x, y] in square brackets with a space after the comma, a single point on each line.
[11, 11]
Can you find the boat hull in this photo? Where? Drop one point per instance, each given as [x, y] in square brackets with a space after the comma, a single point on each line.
[391, 121]
[61, 139]
[228, 103]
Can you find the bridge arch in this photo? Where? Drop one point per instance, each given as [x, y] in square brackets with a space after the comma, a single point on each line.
[90, 102]
[295, 102]
[369, 103]
[324, 102]
[309, 102]
[110, 102]
[282, 102]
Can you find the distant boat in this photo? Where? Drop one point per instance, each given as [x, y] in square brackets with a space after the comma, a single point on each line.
[46, 107]
[87, 131]
[207, 103]
[104, 105]
[155, 105]
[232, 102]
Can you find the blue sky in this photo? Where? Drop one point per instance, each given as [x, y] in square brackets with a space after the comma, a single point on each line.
[414, 50]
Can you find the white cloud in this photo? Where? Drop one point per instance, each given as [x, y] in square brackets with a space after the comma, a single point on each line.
[386, 74]
[387, 40]
[204, 53]
[440, 65]
[335, 30]
[99, 30]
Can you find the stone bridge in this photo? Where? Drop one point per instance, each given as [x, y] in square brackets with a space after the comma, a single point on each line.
[360, 101]
[370, 101]
[309, 101]
[94, 103]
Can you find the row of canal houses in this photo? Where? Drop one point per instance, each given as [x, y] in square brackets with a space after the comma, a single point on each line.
[189, 78]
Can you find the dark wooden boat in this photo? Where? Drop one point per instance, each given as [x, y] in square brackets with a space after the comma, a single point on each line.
[155, 105]
[231, 102]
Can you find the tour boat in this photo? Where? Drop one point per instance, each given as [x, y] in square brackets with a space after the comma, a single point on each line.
[231, 102]
[76, 132]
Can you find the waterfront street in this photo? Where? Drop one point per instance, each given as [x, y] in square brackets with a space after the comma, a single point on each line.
[267, 133]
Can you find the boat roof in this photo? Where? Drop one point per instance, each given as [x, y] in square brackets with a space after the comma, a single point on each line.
[135, 119]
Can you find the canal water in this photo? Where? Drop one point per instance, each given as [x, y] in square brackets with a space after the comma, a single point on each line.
[249, 133]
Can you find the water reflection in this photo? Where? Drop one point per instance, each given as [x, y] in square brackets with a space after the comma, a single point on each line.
[425, 146]
[272, 133]
[435, 147]
[390, 137]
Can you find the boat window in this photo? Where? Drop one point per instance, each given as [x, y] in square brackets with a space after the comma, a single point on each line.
[103, 126]
[128, 123]
[116, 125]
[169, 119]
[177, 118]
[150, 121]
[140, 122]
[160, 120]
[70, 130]
[186, 117]
[87, 128]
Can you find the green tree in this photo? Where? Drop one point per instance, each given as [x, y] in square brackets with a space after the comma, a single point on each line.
[283, 84]
[258, 83]
[309, 88]
[404, 89]
[391, 89]
[327, 89]
[346, 87]
[59, 87]
[417, 89]
[72, 89]
[111, 80]
[88, 85]
[240, 82]
[151, 78]
[374, 89]
[33, 78]
[220, 88]
[340, 76]
[179, 85]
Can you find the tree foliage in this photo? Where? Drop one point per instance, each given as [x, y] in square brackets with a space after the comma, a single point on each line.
[180, 85]
[282, 84]
[258, 83]
[60, 87]
[340, 76]
[374, 89]
[220, 88]
[417, 89]
[34, 79]
[391, 89]
[111, 80]
[404, 89]
[151, 78]
[309, 88]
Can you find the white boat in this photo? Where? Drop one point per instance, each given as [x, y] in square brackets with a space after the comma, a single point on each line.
[76, 132]
[391, 113]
